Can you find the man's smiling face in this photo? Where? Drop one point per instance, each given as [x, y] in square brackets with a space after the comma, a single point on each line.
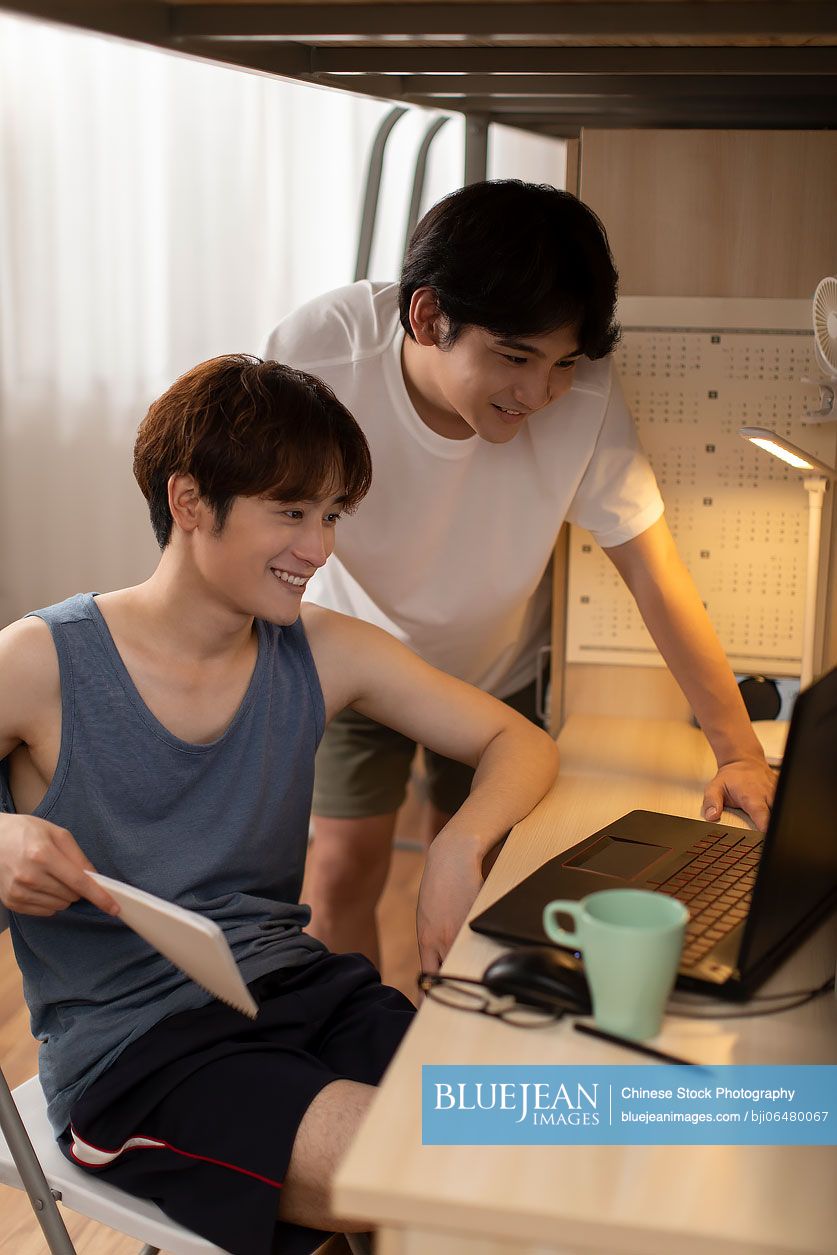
[489, 384]
[260, 561]
[519, 376]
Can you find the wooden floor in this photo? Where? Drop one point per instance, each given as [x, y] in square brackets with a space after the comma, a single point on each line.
[19, 1232]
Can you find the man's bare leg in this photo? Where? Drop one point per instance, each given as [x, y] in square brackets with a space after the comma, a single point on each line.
[322, 1140]
[345, 874]
[347, 867]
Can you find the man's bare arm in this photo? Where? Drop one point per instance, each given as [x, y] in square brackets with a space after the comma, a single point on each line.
[677, 620]
[363, 667]
[42, 868]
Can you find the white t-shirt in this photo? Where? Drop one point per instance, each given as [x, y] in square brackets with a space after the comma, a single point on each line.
[450, 549]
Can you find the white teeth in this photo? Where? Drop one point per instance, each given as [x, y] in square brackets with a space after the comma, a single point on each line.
[296, 580]
[515, 413]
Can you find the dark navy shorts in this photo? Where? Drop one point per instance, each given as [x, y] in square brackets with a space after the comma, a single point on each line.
[216, 1099]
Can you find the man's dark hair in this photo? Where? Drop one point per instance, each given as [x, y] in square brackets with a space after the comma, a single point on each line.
[516, 259]
[247, 428]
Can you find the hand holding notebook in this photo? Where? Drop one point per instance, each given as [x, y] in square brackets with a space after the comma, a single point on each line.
[187, 939]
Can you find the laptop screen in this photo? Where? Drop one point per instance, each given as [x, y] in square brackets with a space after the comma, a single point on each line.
[798, 871]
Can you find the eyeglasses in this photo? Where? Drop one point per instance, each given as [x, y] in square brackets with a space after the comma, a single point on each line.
[464, 994]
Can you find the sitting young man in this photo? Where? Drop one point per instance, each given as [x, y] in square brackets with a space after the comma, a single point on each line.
[165, 735]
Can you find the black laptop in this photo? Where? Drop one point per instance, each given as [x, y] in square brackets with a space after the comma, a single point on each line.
[751, 899]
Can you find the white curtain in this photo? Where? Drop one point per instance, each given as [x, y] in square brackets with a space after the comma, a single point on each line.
[156, 211]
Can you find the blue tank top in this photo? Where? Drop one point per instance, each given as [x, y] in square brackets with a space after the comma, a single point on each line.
[220, 828]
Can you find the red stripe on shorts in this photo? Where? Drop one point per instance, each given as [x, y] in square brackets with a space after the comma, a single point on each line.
[160, 1144]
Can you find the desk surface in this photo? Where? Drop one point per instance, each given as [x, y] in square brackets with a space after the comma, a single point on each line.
[645, 1200]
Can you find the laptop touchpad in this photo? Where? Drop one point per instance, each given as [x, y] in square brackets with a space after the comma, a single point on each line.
[614, 856]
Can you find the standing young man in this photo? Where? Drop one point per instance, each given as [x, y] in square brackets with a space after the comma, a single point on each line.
[484, 385]
[165, 735]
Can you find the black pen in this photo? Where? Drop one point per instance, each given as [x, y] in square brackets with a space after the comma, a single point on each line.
[632, 1045]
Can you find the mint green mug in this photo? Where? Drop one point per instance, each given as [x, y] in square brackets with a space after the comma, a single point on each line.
[631, 941]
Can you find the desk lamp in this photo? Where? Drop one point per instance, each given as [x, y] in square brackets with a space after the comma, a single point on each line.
[815, 482]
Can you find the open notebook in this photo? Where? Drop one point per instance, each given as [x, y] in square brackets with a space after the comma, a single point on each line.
[188, 940]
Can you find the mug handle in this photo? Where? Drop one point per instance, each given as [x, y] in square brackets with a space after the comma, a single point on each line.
[553, 930]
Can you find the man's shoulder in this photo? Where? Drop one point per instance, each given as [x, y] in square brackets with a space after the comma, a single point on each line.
[31, 640]
[594, 378]
[26, 638]
[321, 623]
[28, 662]
[31, 644]
[346, 325]
[332, 635]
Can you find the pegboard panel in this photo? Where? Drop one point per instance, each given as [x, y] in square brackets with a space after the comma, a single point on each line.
[693, 372]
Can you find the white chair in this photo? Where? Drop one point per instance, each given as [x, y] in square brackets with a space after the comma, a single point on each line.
[30, 1160]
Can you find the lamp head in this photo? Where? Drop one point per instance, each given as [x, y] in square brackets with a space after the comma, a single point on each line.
[788, 452]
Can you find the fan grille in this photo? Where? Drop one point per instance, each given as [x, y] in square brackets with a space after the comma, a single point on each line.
[825, 322]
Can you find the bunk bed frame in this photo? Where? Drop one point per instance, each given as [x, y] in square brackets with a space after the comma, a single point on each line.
[549, 67]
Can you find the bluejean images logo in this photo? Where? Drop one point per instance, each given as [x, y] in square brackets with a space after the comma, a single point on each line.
[633, 1105]
[541, 1101]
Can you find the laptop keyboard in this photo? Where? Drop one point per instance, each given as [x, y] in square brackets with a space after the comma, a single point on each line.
[716, 886]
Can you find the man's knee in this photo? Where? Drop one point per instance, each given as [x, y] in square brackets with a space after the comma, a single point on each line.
[351, 856]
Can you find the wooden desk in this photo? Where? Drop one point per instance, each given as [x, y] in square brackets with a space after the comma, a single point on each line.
[646, 1200]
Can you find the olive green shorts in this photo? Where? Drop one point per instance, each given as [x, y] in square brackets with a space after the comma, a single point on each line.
[362, 767]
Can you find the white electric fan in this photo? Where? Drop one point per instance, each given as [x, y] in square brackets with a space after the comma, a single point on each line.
[825, 349]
